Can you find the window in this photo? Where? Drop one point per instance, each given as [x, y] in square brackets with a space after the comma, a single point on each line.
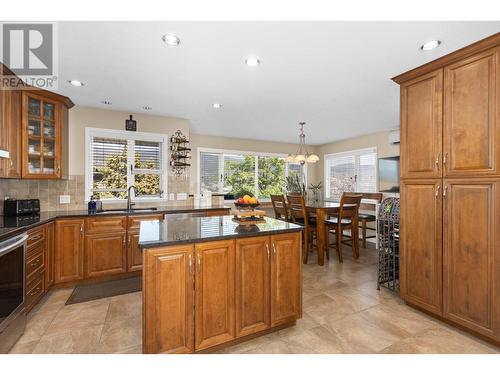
[238, 173]
[118, 159]
[350, 171]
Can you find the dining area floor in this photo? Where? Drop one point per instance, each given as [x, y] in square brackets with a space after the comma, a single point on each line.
[342, 313]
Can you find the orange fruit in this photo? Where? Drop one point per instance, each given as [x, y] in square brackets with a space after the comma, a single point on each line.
[253, 200]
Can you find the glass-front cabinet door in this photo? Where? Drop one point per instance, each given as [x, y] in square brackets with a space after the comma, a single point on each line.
[41, 137]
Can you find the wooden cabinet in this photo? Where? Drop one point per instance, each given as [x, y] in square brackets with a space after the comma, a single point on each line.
[450, 250]
[421, 126]
[10, 133]
[34, 130]
[252, 281]
[236, 288]
[69, 250]
[43, 119]
[286, 293]
[214, 294]
[168, 300]
[134, 252]
[421, 244]
[105, 246]
[471, 115]
[105, 254]
[49, 255]
[472, 254]
[38, 265]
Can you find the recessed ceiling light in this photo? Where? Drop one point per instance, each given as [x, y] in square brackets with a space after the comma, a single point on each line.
[431, 44]
[107, 102]
[74, 82]
[252, 61]
[217, 105]
[147, 108]
[171, 39]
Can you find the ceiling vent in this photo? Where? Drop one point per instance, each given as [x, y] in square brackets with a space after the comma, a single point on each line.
[394, 137]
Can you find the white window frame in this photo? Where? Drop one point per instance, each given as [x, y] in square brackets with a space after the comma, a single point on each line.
[199, 150]
[357, 152]
[129, 136]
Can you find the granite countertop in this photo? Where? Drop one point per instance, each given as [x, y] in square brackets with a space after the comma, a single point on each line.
[156, 233]
[12, 225]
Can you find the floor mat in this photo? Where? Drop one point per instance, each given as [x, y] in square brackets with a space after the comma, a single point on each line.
[90, 292]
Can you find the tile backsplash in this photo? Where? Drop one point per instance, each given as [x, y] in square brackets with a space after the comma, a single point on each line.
[48, 191]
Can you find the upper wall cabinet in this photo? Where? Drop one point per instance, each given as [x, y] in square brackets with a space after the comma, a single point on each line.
[34, 130]
[471, 116]
[421, 126]
[44, 126]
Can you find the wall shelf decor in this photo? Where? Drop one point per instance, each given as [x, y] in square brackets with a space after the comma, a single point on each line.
[180, 153]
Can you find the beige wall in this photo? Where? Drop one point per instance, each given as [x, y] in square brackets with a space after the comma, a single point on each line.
[379, 140]
[207, 141]
[82, 117]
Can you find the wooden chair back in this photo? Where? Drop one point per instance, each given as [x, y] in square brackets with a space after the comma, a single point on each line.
[368, 206]
[349, 206]
[279, 206]
[297, 208]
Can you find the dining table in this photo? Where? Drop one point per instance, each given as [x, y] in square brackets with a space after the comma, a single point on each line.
[322, 210]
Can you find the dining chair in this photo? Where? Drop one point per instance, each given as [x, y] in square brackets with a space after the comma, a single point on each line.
[364, 217]
[299, 215]
[346, 218]
[280, 207]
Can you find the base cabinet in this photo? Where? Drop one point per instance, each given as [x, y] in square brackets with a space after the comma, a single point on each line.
[286, 293]
[214, 289]
[69, 250]
[168, 296]
[105, 254]
[472, 254]
[421, 244]
[253, 289]
[199, 297]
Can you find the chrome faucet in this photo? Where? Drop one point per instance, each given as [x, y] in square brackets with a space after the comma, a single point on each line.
[129, 202]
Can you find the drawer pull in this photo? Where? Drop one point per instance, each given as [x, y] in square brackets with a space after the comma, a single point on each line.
[34, 292]
[36, 238]
[36, 262]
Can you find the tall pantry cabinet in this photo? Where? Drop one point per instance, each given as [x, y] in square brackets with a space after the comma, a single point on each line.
[450, 187]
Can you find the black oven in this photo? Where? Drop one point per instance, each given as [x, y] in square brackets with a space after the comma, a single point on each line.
[12, 290]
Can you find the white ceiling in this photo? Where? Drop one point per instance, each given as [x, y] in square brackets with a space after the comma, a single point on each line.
[333, 75]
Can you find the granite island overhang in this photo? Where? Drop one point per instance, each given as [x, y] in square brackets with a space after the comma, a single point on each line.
[209, 282]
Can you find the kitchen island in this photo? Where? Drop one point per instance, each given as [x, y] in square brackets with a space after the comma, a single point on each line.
[209, 282]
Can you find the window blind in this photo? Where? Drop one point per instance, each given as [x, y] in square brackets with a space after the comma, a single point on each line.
[350, 171]
[148, 155]
[209, 171]
[109, 165]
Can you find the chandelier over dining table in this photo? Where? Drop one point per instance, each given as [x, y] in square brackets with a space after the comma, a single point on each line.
[302, 155]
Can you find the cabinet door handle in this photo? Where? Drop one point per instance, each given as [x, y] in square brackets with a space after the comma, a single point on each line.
[81, 229]
[444, 158]
[436, 163]
[274, 250]
[268, 253]
[199, 263]
[190, 264]
[124, 242]
[437, 192]
[445, 188]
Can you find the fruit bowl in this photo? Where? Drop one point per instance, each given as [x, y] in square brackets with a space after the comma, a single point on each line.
[247, 205]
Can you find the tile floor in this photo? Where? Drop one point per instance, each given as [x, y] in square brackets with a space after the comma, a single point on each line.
[342, 313]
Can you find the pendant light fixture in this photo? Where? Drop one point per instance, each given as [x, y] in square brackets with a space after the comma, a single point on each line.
[302, 156]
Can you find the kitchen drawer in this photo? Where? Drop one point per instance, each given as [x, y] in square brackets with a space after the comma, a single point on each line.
[105, 224]
[36, 236]
[134, 222]
[34, 290]
[35, 260]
